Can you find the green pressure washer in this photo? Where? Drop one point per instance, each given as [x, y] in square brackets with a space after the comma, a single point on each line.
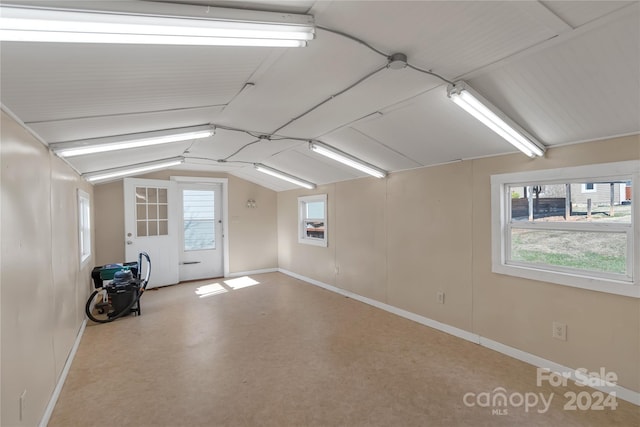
[120, 296]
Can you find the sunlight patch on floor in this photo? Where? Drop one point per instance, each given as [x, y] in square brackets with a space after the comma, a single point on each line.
[210, 290]
[241, 282]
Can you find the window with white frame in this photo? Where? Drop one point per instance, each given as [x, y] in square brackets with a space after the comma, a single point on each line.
[546, 227]
[84, 225]
[312, 220]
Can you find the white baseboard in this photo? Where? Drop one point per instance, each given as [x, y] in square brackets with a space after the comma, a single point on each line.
[620, 392]
[452, 330]
[63, 376]
[248, 273]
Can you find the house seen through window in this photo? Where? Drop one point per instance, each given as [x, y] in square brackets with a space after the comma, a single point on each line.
[572, 229]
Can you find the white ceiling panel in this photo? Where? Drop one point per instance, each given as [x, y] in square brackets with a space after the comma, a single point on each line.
[96, 127]
[318, 169]
[222, 144]
[385, 88]
[250, 174]
[434, 130]
[451, 38]
[115, 159]
[577, 13]
[54, 81]
[363, 146]
[300, 79]
[565, 71]
[199, 165]
[585, 88]
[237, 147]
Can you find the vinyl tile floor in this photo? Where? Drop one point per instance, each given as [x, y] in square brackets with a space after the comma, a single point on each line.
[270, 350]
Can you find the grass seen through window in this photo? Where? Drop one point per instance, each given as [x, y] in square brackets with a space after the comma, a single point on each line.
[594, 251]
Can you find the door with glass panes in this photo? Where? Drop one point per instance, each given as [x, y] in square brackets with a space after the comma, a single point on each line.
[201, 252]
[150, 227]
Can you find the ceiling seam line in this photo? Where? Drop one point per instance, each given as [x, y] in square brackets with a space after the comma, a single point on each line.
[389, 57]
[97, 116]
[330, 98]
[541, 3]
[549, 42]
[393, 150]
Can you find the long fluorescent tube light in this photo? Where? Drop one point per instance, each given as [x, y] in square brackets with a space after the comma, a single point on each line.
[284, 176]
[72, 26]
[473, 103]
[123, 142]
[344, 158]
[132, 170]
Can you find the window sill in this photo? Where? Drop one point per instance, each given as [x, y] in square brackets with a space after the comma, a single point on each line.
[84, 261]
[312, 242]
[616, 287]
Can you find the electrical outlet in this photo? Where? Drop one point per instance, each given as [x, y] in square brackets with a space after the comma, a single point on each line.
[559, 331]
[440, 297]
[23, 404]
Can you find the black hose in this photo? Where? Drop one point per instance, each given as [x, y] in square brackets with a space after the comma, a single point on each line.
[142, 286]
[118, 315]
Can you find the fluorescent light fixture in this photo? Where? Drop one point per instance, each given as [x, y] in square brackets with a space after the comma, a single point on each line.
[32, 24]
[123, 142]
[344, 158]
[284, 176]
[132, 170]
[473, 103]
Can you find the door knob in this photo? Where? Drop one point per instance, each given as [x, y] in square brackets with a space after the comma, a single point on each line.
[129, 242]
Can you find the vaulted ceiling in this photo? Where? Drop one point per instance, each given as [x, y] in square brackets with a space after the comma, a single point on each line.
[566, 72]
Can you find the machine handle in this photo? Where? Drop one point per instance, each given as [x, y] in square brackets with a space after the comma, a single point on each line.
[146, 279]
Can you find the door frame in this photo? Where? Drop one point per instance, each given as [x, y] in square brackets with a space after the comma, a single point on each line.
[225, 211]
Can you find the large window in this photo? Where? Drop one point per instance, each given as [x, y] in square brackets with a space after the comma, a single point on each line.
[547, 227]
[312, 220]
[84, 225]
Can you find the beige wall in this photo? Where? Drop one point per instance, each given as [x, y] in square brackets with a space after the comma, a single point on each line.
[252, 231]
[603, 330]
[312, 261]
[43, 287]
[403, 239]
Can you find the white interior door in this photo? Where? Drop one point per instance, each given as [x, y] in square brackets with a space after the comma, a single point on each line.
[149, 211]
[201, 233]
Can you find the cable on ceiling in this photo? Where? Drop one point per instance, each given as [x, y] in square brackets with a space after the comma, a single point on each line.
[390, 59]
[260, 136]
[355, 39]
[379, 52]
[218, 161]
[431, 73]
[332, 97]
[239, 150]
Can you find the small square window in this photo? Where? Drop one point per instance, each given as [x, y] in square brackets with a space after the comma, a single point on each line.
[589, 187]
[312, 220]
